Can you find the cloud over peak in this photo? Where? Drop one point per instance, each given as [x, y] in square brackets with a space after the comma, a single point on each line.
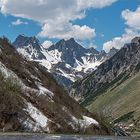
[119, 42]
[132, 20]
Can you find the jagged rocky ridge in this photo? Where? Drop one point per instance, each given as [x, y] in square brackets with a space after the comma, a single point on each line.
[31, 100]
[67, 60]
[123, 63]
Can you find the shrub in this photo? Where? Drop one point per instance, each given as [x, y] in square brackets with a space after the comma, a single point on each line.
[11, 105]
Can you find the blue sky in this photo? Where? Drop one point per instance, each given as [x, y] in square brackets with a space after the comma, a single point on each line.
[101, 24]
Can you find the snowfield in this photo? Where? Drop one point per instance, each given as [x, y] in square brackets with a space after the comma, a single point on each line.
[40, 119]
[53, 57]
[88, 121]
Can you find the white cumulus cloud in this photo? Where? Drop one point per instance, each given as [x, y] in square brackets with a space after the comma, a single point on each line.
[95, 3]
[55, 16]
[119, 42]
[67, 31]
[132, 20]
[0, 3]
[18, 22]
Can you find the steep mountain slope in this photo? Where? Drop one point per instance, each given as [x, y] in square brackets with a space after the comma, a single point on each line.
[66, 60]
[122, 104]
[31, 100]
[114, 87]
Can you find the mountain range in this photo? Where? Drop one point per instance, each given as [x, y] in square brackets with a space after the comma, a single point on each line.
[67, 60]
[32, 101]
[46, 79]
[113, 88]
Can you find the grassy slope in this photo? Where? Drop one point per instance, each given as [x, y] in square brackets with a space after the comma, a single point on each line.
[121, 101]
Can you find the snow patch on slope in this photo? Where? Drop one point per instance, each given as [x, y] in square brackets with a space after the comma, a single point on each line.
[45, 63]
[69, 76]
[41, 121]
[88, 121]
[10, 74]
[52, 58]
[56, 54]
[44, 91]
[87, 65]
[85, 122]
[24, 53]
[49, 57]
[28, 54]
[78, 65]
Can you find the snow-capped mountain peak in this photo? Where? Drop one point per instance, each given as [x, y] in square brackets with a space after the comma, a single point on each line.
[67, 59]
[29, 46]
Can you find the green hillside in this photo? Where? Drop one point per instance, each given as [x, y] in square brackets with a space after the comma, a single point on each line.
[121, 103]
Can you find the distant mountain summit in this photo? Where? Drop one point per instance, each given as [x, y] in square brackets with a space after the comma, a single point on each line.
[67, 60]
[29, 46]
[22, 41]
[112, 52]
[71, 51]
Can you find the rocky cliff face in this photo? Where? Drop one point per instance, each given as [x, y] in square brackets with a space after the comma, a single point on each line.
[122, 64]
[31, 100]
